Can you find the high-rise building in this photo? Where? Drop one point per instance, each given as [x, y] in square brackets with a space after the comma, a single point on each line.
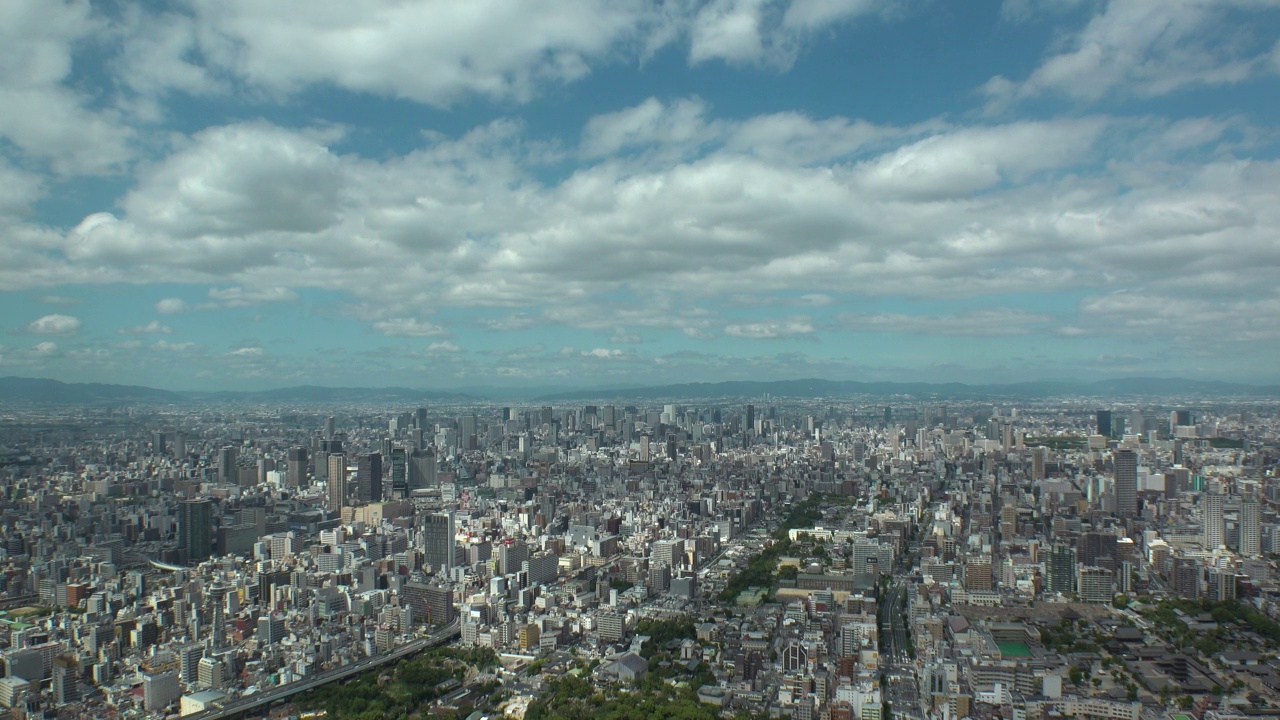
[1103, 422]
[330, 427]
[423, 472]
[66, 680]
[195, 529]
[296, 470]
[751, 418]
[1213, 525]
[159, 691]
[1060, 575]
[1250, 532]
[227, 466]
[337, 481]
[399, 472]
[1038, 458]
[1126, 462]
[369, 478]
[438, 532]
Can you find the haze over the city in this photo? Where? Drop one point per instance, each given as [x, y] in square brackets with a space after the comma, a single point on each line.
[253, 194]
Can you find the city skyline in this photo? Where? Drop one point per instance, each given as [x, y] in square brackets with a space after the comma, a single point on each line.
[233, 196]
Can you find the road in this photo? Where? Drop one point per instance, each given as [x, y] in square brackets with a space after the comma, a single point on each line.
[266, 697]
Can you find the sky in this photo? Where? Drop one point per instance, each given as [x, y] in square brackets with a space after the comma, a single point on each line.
[247, 194]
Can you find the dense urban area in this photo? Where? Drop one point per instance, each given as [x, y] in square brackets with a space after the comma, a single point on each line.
[739, 557]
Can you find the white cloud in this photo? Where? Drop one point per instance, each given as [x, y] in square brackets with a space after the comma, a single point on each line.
[40, 112]
[171, 306]
[771, 330]
[382, 46]
[246, 352]
[45, 349]
[987, 322]
[182, 347]
[54, 325]
[60, 300]
[152, 328]
[603, 353]
[236, 179]
[408, 327]
[243, 297]
[678, 125]
[1137, 47]
[443, 346]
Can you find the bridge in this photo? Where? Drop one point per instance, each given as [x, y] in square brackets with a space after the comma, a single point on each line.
[247, 703]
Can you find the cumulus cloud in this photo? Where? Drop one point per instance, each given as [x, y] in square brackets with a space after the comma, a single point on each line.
[990, 322]
[243, 297]
[1135, 47]
[603, 353]
[408, 327]
[152, 328]
[41, 113]
[54, 325]
[771, 330]
[171, 306]
[443, 346]
[246, 352]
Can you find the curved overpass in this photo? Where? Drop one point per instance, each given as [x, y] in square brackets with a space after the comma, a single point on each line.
[266, 697]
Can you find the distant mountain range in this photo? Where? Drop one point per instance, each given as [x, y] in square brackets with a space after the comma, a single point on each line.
[39, 390]
[43, 391]
[814, 388]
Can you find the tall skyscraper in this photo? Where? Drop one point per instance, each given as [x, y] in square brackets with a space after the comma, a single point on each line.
[195, 529]
[1103, 422]
[337, 482]
[751, 419]
[438, 541]
[399, 471]
[369, 478]
[330, 427]
[296, 471]
[1213, 525]
[1061, 569]
[227, 465]
[422, 469]
[1126, 461]
[1250, 532]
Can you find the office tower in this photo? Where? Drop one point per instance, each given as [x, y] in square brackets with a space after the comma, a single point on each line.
[227, 465]
[668, 552]
[399, 471]
[296, 470]
[337, 481]
[159, 691]
[438, 541]
[467, 432]
[671, 446]
[195, 529]
[512, 556]
[978, 575]
[189, 661]
[179, 445]
[888, 415]
[644, 448]
[369, 478]
[157, 444]
[422, 470]
[751, 418]
[66, 680]
[1126, 462]
[1213, 526]
[1038, 458]
[1250, 533]
[1103, 422]
[330, 427]
[1179, 418]
[420, 418]
[1060, 575]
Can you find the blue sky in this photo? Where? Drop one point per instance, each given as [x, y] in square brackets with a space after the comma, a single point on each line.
[213, 194]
